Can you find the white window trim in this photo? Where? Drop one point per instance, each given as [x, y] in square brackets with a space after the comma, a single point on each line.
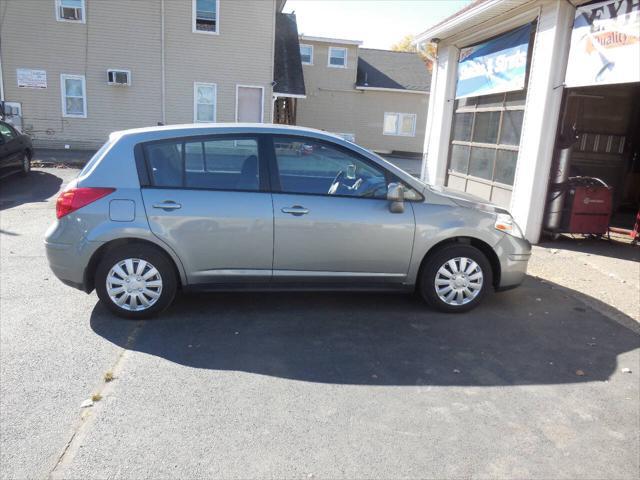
[311, 47]
[261, 98]
[195, 101]
[397, 132]
[193, 19]
[60, 19]
[346, 54]
[128, 72]
[63, 93]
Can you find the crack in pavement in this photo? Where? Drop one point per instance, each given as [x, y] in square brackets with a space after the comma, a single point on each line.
[80, 428]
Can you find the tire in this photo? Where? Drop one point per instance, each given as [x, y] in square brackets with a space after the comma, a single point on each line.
[120, 267]
[469, 286]
[25, 165]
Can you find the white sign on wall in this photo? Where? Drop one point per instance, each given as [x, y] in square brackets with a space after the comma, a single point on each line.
[605, 44]
[28, 78]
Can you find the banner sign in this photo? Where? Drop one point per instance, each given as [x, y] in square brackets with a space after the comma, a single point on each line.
[31, 78]
[495, 66]
[605, 44]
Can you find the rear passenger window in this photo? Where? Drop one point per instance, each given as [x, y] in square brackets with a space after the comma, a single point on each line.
[217, 164]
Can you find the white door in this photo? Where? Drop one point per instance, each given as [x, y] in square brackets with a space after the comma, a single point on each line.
[249, 104]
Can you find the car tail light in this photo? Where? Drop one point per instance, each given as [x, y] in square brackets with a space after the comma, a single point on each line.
[74, 198]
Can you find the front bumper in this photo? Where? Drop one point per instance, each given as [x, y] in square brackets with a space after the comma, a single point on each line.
[514, 254]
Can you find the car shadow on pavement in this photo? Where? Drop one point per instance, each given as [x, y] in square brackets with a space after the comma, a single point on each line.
[537, 334]
[613, 248]
[38, 186]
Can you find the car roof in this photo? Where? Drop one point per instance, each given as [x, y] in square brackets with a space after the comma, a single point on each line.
[192, 129]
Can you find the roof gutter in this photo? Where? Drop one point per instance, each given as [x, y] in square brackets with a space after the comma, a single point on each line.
[397, 90]
[444, 30]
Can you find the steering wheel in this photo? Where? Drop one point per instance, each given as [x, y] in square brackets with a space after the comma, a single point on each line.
[335, 183]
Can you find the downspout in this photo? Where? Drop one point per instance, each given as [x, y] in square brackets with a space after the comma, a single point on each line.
[162, 66]
[434, 81]
[1, 80]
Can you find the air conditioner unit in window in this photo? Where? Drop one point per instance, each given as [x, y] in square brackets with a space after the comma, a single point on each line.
[119, 77]
[70, 13]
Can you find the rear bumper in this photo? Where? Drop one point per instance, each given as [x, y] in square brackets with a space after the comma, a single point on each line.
[68, 262]
[514, 254]
[64, 265]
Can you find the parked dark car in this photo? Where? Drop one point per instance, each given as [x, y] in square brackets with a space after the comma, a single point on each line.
[16, 151]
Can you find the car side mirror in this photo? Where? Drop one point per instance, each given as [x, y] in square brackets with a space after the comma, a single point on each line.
[395, 195]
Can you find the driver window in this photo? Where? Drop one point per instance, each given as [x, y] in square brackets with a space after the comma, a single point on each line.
[314, 167]
[6, 132]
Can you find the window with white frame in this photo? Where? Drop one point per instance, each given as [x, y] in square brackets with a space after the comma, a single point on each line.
[204, 102]
[70, 10]
[306, 54]
[401, 124]
[486, 137]
[74, 96]
[205, 15]
[337, 57]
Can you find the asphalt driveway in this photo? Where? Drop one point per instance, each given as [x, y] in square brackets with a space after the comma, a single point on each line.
[529, 385]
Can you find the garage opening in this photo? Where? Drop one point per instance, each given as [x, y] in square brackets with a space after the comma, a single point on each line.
[595, 177]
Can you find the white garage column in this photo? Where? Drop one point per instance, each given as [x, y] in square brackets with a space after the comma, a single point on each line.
[544, 97]
[439, 116]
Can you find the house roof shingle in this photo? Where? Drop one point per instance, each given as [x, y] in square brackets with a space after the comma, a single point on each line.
[388, 69]
[287, 69]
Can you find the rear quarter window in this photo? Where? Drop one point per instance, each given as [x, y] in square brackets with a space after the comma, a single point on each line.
[95, 158]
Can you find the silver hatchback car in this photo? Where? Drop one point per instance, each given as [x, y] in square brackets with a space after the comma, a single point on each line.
[245, 206]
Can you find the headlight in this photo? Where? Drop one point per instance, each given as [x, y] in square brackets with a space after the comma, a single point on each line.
[505, 223]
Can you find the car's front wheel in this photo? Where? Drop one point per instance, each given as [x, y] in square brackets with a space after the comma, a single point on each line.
[136, 281]
[455, 278]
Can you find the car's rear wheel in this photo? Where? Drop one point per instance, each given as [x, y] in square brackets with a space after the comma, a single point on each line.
[136, 281]
[455, 278]
[25, 165]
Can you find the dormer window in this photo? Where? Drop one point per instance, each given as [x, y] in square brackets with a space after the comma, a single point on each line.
[337, 57]
[206, 14]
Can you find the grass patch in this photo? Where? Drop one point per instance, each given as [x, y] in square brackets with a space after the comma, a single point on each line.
[96, 397]
[108, 377]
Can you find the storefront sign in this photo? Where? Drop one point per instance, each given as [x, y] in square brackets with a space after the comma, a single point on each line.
[31, 78]
[605, 44]
[496, 66]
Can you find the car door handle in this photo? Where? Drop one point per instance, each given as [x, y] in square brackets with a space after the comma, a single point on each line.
[168, 205]
[296, 210]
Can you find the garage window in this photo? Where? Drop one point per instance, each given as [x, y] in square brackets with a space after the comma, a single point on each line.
[486, 137]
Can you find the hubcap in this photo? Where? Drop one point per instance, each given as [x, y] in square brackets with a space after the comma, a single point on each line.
[459, 281]
[134, 284]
